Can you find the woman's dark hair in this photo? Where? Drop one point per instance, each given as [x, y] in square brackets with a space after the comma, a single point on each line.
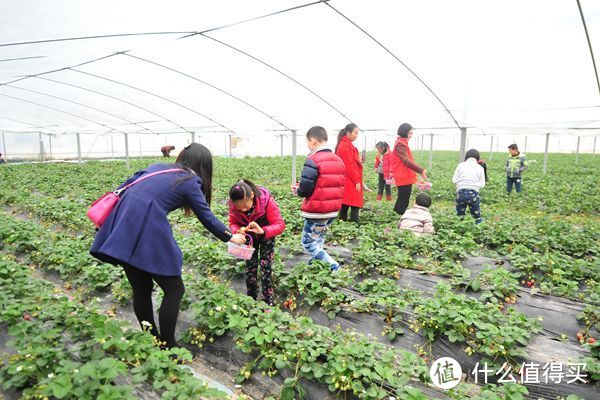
[347, 129]
[423, 200]
[472, 153]
[198, 159]
[404, 129]
[383, 146]
[242, 189]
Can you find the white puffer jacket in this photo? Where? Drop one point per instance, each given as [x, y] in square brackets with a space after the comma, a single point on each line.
[417, 219]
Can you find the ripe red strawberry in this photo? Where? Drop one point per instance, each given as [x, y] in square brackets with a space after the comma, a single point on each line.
[27, 317]
[530, 283]
[591, 340]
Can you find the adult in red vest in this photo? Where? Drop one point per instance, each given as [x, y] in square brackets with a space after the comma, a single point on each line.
[404, 168]
[353, 186]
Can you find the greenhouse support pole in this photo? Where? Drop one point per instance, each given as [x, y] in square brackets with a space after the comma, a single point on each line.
[50, 144]
[112, 148]
[577, 151]
[430, 150]
[546, 154]
[78, 147]
[294, 157]
[6, 157]
[281, 145]
[41, 144]
[225, 147]
[193, 137]
[491, 146]
[127, 150]
[230, 151]
[463, 144]
[140, 148]
[593, 150]
[525, 147]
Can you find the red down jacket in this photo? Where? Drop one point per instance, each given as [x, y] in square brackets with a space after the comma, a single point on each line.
[322, 185]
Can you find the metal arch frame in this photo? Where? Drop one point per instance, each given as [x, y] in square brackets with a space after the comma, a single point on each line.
[114, 98]
[154, 95]
[80, 104]
[209, 85]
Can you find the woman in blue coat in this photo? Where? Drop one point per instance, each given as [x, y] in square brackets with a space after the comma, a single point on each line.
[137, 235]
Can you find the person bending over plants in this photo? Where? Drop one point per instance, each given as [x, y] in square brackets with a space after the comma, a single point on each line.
[254, 212]
[137, 234]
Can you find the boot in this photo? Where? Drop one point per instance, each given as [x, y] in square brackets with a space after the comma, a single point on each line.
[388, 197]
[378, 197]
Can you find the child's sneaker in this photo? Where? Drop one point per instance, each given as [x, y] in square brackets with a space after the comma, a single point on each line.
[335, 267]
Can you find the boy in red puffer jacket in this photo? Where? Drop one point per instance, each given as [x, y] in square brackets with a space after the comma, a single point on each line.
[322, 186]
[253, 211]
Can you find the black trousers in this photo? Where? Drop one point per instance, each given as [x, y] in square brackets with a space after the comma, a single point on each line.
[142, 283]
[266, 248]
[353, 213]
[403, 198]
[381, 185]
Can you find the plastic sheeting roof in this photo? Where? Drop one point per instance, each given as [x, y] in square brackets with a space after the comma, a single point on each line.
[497, 65]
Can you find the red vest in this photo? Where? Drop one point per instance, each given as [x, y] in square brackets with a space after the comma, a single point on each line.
[329, 188]
[402, 174]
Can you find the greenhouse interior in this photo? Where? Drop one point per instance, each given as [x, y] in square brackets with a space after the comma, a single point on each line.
[303, 230]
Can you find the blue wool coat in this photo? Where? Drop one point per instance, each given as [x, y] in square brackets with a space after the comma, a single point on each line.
[137, 231]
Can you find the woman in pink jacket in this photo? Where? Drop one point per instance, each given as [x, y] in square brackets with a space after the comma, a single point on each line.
[253, 211]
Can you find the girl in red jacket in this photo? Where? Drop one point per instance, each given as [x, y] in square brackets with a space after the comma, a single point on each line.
[384, 170]
[353, 187]
[253, 211]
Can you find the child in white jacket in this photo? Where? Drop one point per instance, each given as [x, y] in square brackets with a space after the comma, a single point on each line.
[418, 219]
[469, 178]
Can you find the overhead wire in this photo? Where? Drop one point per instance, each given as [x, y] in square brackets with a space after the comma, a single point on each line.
[397, 59]
[587, 35]
[61, 111]
[279, 71]
[112, 97]
[81, 105]
[210, 85]
[253, 19]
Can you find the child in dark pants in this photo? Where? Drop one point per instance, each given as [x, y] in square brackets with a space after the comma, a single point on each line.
[469, 178]
[253, 211]
[384, 170]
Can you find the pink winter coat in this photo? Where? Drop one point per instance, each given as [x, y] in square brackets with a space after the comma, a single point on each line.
[266, 214]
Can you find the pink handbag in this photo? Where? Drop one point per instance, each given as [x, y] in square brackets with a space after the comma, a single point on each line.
[102, 207]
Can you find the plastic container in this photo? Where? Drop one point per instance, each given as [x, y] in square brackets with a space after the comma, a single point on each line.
[295, 189]
[243, 251]
[424, 185]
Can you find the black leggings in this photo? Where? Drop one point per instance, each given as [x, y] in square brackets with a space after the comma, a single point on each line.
[403, 198]
[172, 286]
[353, 213]
[381, 185]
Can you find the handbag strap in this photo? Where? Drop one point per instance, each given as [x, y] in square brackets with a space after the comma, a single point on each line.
[118, 191]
